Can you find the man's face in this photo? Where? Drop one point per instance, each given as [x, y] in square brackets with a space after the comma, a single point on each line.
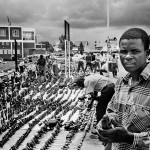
[132, 55]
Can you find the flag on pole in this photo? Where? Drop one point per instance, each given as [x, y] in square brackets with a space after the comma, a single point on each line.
[9, 23]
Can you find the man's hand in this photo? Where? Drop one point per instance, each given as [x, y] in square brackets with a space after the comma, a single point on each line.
[118, 134]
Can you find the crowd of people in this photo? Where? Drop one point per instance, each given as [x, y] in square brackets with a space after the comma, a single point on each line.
[97, 63]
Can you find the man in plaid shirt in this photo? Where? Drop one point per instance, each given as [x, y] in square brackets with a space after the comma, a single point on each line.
[129, 109]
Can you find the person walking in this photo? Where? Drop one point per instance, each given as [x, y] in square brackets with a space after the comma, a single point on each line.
[55, 68]
[97, 63]
[104, 69]
[93, 57]
[80, 62]
[21, 67]
[128, 113]
[41, 63]
[88, 59]
[115, 65]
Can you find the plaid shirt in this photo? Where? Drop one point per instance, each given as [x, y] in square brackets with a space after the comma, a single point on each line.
[131, 104]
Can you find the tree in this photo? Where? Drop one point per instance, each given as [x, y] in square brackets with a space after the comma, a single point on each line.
[48, 46]
[51, 48]
[81, 48]
[62, 43]
[115, 39]
[95, 43]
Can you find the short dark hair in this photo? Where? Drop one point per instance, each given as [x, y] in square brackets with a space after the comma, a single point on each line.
[41, 56]
[79, 81]
[113, 55]
[136, 33]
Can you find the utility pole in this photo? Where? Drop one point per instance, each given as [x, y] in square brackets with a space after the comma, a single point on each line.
[16, 63]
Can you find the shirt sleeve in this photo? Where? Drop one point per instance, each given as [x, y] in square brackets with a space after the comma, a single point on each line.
[141, 141]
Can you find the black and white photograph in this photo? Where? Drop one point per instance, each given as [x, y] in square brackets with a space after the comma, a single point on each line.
[74, 75]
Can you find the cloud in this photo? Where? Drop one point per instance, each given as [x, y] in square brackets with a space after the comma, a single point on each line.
[135, 12]
[86, 17]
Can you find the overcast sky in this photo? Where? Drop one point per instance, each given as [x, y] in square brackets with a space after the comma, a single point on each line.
[87, 18]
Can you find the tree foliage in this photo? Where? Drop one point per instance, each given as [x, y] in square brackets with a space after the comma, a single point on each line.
[81, 47]
[48, 46]
[62, 43]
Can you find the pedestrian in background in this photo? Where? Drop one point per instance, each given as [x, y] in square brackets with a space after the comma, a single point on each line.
[80, 62]
[97, 63]
[88, 60]
[55, 68]
[104, 69]
[21, 67]
[115, 65]
[41, 62]
[93, 57]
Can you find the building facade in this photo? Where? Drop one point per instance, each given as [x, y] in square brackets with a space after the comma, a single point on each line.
[25, 38]
[40, 46]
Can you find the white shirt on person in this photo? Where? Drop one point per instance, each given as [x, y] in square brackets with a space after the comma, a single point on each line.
[80, 57]
[98, 57]
[105, 67]
[32, 67]
[95, 82]
[115, 60]
[21, 63]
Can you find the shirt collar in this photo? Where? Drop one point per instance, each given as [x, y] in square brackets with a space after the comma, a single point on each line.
[145, 74]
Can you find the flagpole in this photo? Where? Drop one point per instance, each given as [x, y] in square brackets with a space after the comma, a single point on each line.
[9, 23]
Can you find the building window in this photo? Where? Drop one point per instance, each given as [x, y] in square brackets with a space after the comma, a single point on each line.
[9, 51]
[3, 32]
[28, 35]
[3, 43]
[15, 33]
[5, 51]
[1, 51]
[18, 51]
[7, 43]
